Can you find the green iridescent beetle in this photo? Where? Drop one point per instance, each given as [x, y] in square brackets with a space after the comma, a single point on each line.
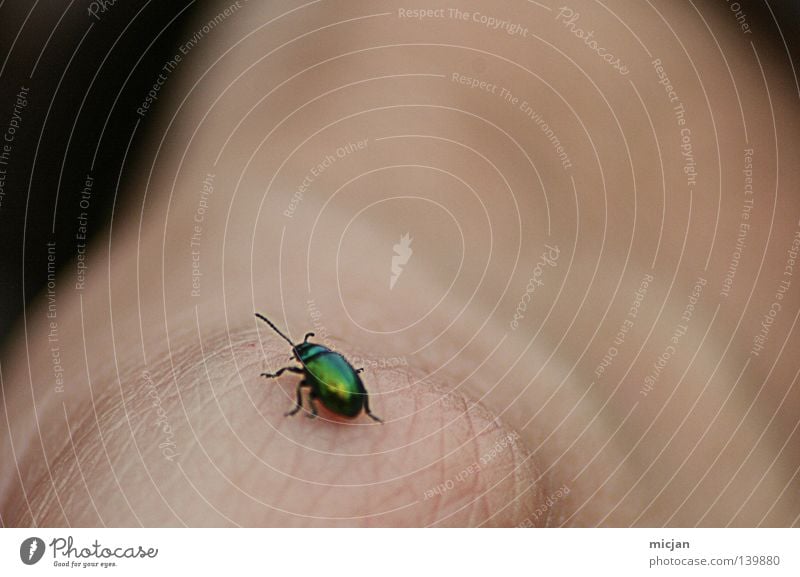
[328, 376]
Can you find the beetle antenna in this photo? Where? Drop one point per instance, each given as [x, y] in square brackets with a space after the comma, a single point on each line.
[276, 329]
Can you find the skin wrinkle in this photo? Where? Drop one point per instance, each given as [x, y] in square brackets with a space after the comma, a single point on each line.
[184, 388]
[112, 406]
[106, 409]
[215, 364]
[528, 482]
[461, 403]
[527, 492]
[85, 484]
[216, 513]
[29, 443]
[138, 425]
[67, 467]
[482, 503]
[517, 464]
[45, 488]
[442, 467]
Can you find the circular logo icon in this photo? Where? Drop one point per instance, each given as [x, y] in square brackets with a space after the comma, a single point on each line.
[31, 550]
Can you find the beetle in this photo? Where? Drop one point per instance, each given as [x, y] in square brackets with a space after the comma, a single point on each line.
[328, 376]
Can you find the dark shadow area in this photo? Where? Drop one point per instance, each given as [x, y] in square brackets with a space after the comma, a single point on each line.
[70, 86]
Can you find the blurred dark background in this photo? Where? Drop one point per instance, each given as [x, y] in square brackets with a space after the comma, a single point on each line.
[85, 77]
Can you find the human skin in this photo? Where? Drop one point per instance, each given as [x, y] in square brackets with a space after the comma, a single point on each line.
[164, 420]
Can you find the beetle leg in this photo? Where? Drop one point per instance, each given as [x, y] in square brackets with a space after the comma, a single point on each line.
[311, 398]
[305, 340]
[280, 372]
[367, 411]
[299, 401]
[361, 370]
